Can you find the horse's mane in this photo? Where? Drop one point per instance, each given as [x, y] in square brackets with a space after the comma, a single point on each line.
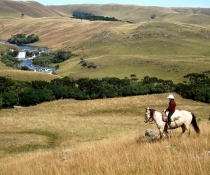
[152, 111]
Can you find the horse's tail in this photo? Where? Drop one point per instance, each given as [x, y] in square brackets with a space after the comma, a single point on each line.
[194, 124]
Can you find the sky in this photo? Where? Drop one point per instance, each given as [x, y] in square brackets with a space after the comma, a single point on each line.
[161, 3]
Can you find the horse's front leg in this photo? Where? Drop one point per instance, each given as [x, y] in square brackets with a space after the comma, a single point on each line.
[161, 132]
[165, 130]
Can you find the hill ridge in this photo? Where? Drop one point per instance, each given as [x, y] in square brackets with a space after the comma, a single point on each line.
[29, 8]
[123, 12]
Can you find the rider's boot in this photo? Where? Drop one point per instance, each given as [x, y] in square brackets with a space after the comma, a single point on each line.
[168, 125]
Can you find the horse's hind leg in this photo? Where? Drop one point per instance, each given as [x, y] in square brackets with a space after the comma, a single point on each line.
[188, 129]
[184, 128]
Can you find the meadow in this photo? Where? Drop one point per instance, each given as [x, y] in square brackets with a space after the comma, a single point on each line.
[100, 137]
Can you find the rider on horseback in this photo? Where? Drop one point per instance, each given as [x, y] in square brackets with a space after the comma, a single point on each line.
[171, 108]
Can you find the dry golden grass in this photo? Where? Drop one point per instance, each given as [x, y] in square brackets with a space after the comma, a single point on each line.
[119, 156]
[5, 47]
[100, 137]
[54, 32]
[25, 75]
[29, 8]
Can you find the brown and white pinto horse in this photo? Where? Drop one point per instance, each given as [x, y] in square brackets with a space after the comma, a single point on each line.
[186, 118]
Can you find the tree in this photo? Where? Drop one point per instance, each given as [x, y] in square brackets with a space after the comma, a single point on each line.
[21, 39]
[61, 56]
[38, 84]
[25, 68]
[196, 78]
[9, 99]
[29, 97]
[5, 84]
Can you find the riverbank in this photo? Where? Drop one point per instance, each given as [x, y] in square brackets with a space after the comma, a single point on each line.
[28, 61]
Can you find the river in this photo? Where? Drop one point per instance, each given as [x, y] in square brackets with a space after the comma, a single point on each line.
[28, 62]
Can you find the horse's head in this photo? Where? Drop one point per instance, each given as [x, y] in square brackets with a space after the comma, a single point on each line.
[148, 115]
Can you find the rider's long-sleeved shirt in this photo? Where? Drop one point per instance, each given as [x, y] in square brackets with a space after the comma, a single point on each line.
[172, 106]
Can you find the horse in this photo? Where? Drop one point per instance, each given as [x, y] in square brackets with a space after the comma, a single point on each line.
[184, 120]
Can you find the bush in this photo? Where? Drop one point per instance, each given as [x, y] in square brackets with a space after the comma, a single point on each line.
[153, 16]
[46, 59]
[21, 39]
[25, 68]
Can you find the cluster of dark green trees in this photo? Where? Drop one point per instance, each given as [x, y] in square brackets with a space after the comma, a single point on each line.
[23, 93]
[92, 17]
[21, 39]
[9, 59]
[45, 59]
[198, 87]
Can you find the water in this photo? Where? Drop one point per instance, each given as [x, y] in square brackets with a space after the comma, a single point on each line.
[28, 48]
[28, 62]
[21, 55]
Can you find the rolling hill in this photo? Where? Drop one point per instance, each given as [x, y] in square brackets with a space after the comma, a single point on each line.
[175, 42]
[28, 8]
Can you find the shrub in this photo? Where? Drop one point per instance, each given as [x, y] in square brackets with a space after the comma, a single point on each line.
[153, 16]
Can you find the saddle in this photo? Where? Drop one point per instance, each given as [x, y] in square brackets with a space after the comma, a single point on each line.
[176, 115]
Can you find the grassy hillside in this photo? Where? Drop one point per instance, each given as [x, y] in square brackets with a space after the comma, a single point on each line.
[162, 49]
[167, 50]
[99, 137]
[173, 44]
[5, 47]
[136, 13]
[131, 13]
[121, 12]
[26, 75]
[29, 8]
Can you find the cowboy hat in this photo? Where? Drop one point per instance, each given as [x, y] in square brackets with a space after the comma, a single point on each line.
[171, 96]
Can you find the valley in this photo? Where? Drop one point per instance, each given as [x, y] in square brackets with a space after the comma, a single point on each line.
[170, 46]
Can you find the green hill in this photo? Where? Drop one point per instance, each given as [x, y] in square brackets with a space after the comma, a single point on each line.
[166, 43]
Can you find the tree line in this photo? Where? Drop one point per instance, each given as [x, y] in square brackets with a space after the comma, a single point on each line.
[24, 93]
[92, 17]
[21, 39]
[197, 88]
